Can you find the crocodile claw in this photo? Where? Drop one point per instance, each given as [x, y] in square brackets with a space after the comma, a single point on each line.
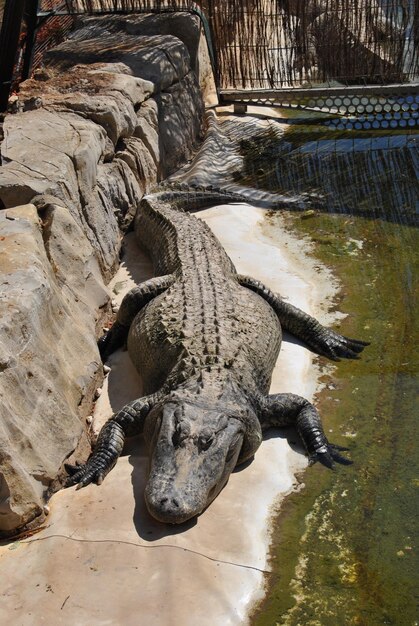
[73, 469]
[75, 472]
[113, 339]
[83, 475]
[328, 455]
[336, 346]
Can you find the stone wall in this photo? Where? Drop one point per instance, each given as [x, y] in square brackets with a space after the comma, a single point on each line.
[116, 109]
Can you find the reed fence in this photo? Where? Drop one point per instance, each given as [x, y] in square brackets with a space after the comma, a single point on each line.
[257, 44]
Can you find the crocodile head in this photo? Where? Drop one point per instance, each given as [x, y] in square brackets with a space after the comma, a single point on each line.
[194, 449]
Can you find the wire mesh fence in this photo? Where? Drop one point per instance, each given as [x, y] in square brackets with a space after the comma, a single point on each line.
[28, 28]
[283, 43]
[270, 44]
[53, 29]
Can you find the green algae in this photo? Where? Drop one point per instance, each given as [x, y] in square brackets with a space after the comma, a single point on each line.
[343, 548]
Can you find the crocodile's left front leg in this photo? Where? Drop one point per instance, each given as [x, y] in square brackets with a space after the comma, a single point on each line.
[131, 305]
[320, 339]
[129, 421]
[288, 409]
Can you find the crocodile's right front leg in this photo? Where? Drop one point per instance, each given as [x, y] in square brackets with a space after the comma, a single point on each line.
[287, 409]
[132, 304]
[129, 421]
[322, 340]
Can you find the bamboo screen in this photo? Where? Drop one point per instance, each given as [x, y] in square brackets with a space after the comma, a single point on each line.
[286, 43]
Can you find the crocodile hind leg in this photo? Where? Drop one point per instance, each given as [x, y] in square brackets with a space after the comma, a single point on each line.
[288, 409]
[129, 421]
[320, 339]
[132, 304]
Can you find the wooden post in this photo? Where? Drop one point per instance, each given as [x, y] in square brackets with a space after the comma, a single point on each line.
[9, 41]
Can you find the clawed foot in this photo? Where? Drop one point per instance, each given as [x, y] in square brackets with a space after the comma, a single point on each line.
[336, 346]
[328, 455]
[94, 471]
[112, 340]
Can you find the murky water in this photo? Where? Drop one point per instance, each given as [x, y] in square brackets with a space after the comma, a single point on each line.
[344, 548]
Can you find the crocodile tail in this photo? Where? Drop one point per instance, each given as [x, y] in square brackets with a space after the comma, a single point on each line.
[194, 199]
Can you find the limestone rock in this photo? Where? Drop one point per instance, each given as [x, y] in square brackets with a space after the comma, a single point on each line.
[34, 160]
[49, 152]
[49, 359]
[119, 191]
[58, 153]
[72, 259]
[140, 161]
[161, 59]
[186, 27]
[180, 113]
[104, 93]
[147, 128]
[180, 25]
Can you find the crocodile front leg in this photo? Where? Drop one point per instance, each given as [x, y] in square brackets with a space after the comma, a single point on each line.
[129, 421]
[288, 409]
[131, 305]
[320, 339]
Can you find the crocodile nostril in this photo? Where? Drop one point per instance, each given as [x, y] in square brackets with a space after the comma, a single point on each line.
[168, 502]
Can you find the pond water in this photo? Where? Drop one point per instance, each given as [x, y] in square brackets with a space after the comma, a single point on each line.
[343, 548]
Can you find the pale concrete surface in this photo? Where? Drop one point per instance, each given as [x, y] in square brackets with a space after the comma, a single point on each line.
[102, 559]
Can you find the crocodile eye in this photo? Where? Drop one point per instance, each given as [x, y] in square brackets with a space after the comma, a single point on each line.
[181, 432]
[204, 441]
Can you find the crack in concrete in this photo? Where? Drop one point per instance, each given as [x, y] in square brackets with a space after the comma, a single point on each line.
[161, 545]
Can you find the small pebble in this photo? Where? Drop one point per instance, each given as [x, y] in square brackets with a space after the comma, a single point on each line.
[89, 419]
[46, 509]
[98, 392]
[307, 214]
[106, 369]
[105, 330]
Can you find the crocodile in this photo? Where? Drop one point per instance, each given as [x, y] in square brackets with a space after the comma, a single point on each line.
[205, 340]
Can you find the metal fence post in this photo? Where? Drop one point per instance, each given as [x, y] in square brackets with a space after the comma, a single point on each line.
[9, 40]
[31, 18]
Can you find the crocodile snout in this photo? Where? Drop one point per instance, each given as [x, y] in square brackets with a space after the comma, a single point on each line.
[171, 508]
